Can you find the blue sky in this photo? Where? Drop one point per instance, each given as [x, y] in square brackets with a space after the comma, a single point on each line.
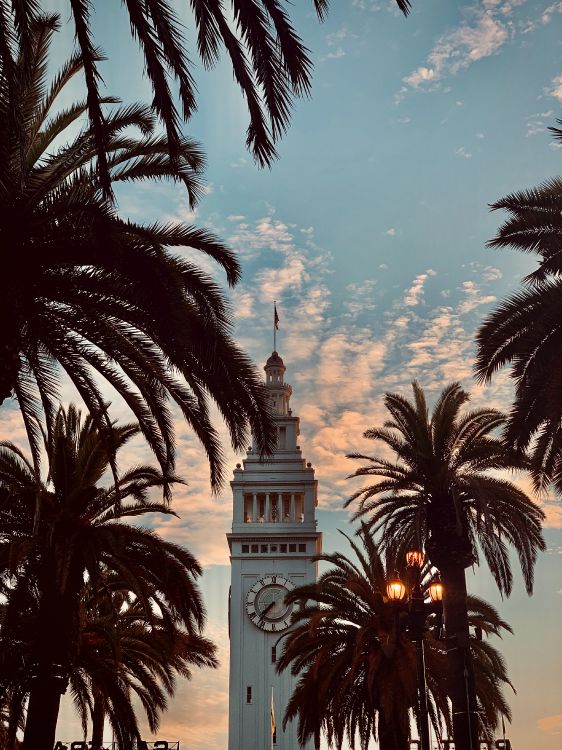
[370, 232]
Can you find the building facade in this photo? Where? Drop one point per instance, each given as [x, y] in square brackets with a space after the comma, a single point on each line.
[272, 543]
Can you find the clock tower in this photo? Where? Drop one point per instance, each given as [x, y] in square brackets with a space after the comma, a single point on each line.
[272, 543]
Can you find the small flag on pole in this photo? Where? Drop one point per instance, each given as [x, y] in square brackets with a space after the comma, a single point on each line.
[275, 317]
[272, 715]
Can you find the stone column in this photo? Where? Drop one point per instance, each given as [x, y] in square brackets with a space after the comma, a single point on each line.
[292, 508]
[267, 516]
[254, 508]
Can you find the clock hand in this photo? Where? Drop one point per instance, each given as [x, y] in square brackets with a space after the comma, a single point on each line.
[266, 610]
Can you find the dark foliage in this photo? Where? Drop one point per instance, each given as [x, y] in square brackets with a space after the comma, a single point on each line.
[93, 294]
[64, 541]
[270, 63]
[525, 331]
[357, 667]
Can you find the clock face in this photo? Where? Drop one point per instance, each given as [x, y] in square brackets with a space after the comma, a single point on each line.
[265, 603]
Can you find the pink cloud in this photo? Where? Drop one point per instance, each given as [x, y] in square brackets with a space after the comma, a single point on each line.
[551, 724]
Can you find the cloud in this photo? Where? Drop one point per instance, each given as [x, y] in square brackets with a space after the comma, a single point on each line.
[551, 724]
[414, 294]
[360, 297]
[461, 151]
[535, 123]
[460, 48]
[549, 13]
[553, 513]
[474, 298]
[556, 90]
[491, 274]
[336, 54]
[335, 38]
[369, 5]
[391, 232]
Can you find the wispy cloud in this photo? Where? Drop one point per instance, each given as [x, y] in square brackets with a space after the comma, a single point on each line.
[482, 35]
[556, 90]
[335, 42]
[545, 17]
[414, 294]
[461, 151]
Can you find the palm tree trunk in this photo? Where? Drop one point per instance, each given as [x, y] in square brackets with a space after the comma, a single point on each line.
[460, 680]
[42, 713]
[54, 644]
[392, 734]
[98, 720]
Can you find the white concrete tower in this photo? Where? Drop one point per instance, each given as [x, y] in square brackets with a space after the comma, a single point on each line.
[272, 542]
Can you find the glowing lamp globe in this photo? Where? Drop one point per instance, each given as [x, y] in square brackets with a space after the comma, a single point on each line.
[395, 590]
[436, 591]
[415, 558]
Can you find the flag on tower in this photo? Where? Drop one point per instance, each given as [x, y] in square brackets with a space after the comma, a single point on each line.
[272, 715]
[275, 317]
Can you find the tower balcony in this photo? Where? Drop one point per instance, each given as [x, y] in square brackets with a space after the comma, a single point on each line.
[274, 508]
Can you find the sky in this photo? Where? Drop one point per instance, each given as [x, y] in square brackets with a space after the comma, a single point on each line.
[370, 233]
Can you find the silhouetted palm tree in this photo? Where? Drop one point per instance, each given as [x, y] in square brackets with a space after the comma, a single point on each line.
[78, 537]
[357, 666]
[126, 650]
[269, 61]
[91, 293]
[525, 331]
[442, 491]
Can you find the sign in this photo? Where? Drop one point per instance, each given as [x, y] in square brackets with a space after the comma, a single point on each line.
[450, 745]
[142, 745]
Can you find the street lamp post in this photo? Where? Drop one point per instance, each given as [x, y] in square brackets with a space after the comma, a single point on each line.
[412, 598]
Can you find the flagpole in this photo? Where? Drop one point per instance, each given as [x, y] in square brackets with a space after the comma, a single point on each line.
[274, 326]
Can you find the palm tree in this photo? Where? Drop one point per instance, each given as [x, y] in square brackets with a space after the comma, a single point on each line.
[525, 331]
[443, 492]
[125, 650]
[78, 538]
[357, 667]
[269, 61]
[88, 292]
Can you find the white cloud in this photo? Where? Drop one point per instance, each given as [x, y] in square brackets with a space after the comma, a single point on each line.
[360, 297]
[458, 49]
[536, 124]
[550, 12]
[336, 54]
[473, 297]
[335, 38]
[491, 274]
[414, 294]
[391, 232]
[556, 89]
[461, 151]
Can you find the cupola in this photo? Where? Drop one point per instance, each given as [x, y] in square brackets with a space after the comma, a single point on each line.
[280, 392]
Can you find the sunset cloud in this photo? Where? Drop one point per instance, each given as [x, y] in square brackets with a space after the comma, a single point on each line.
[551, 724]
